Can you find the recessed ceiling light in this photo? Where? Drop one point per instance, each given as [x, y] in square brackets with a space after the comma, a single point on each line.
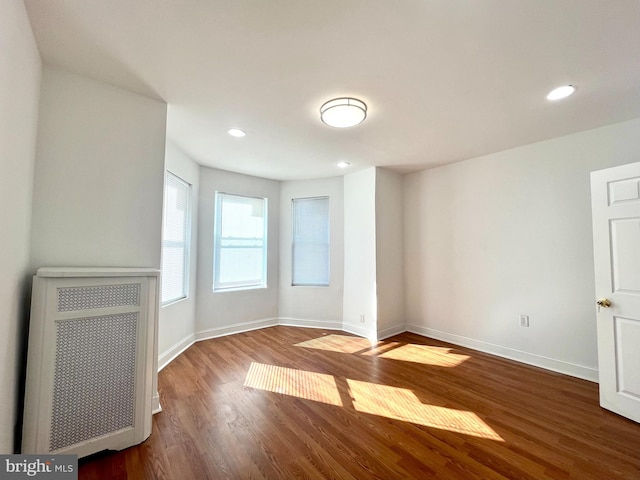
[561, 92]
[236, 132]
[343, 164]
[343, 112]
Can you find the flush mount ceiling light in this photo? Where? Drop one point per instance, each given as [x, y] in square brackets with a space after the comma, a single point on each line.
[236, 132]
[561, 92]
[343, 164]
[343, 112]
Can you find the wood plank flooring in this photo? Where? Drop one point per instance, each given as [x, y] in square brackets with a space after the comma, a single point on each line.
[296, 403]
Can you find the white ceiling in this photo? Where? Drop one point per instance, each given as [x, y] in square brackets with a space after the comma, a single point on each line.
[445, 80]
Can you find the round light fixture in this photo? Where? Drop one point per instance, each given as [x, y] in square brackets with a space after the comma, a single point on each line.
[561, 92]
[236, 132]
[343, 164]
[343, 112]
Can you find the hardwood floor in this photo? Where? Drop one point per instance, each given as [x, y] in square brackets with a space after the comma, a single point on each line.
[295, 403]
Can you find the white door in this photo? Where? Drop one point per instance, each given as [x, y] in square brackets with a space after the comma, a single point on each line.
[615, 196]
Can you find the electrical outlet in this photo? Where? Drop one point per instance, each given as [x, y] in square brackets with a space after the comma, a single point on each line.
[362, 318]
[524, 320]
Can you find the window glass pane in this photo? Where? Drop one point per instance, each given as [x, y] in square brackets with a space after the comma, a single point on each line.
[310, 241]
[240, 253]
[175, 241]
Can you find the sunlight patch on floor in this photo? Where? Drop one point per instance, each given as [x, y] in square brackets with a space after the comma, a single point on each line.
[402, 404]
[381, 347]
[337, 343]
[382, 400]
[290, 381]
[426, 354]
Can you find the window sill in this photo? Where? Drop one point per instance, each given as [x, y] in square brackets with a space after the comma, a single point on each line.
[173, 302]
[239, 289]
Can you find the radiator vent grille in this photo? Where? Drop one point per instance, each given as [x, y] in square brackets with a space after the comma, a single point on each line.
[94, 379]
[106, 296]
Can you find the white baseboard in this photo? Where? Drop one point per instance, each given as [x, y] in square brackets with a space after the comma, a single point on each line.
[168, 356]
[360, 331]
[237, 328]
[155, 404]
[308, 323]
[391, 331]
[579, 371]
[172, 353]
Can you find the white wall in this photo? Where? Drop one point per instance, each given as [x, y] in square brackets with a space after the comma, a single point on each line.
[177, 320]
[20, 71]
[389, 253]
[360, 253]
[304, 305]
[223, 312]
[507, 234]
[98, 176]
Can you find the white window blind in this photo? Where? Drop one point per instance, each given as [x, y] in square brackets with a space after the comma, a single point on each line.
[310, 241]
[175, 239]
[240, 242]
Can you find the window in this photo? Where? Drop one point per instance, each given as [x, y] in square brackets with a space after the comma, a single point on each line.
[310, 241]
[175, 239]
[240, 242]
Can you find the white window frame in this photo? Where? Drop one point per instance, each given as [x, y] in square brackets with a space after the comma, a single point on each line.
[217, 246]
[185, 243]
[294, 243]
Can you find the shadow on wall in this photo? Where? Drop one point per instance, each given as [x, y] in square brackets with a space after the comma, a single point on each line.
[24, 314]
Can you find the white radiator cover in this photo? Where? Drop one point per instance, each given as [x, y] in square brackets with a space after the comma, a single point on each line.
[91, 360]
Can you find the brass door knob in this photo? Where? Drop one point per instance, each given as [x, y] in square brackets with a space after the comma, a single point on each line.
[604, 303]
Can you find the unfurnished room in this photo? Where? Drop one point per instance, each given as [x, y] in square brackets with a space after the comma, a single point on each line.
[342, 239]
